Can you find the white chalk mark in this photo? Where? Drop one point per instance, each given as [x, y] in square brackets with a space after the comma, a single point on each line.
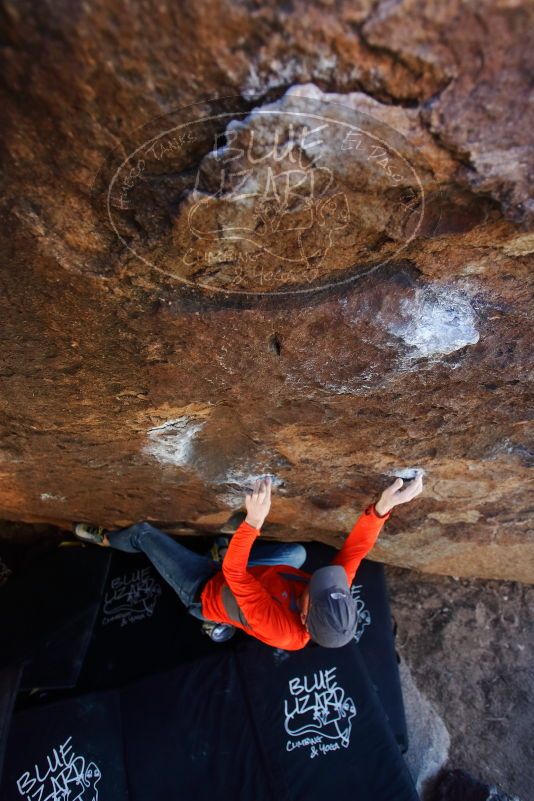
[246, 480]
[438, 320]
[241, 481]
[406, 472]
[171, 442]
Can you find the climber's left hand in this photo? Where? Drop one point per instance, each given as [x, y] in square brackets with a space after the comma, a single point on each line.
[401, 491]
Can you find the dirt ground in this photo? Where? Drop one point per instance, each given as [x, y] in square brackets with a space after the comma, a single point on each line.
[468, 645]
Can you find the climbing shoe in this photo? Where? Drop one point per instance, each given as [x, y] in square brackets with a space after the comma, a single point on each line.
[218, 632]
[233, 522]
[87, 533]
[219, 548]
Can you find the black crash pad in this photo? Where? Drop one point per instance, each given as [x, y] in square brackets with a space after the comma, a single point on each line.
[70, 749]
[321, 725]
[47, 615]
[376, 641]
[141, 627]
[248, 724]
[10, 678]
[238, 721]
[138, 606]
[195, 722]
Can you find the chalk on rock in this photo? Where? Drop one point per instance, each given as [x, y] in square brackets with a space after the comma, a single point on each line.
[407, 473]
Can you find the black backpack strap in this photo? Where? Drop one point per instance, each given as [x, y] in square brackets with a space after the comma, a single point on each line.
[293, 577]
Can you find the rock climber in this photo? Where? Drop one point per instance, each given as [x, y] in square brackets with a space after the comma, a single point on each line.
[259, 586]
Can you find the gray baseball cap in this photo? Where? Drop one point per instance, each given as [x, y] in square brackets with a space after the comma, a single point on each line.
[332, 617]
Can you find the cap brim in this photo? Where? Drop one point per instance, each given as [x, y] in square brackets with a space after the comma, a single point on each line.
[327, 577]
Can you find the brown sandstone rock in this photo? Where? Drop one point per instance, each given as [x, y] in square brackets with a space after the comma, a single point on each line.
[153, 362]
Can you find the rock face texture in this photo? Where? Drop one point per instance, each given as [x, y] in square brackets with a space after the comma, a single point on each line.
[466, 651]
[292, 238]
[428, 738]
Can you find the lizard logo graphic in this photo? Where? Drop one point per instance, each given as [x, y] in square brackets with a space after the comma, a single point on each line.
[63, 776]
[364, 615]
[131, 598]
[319, 706]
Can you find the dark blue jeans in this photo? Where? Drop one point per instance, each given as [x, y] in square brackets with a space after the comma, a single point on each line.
[186, 571]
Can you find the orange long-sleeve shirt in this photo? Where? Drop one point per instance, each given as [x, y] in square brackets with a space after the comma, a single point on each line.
[267, 596]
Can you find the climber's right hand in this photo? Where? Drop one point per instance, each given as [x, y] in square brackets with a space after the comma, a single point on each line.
[258, 502]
